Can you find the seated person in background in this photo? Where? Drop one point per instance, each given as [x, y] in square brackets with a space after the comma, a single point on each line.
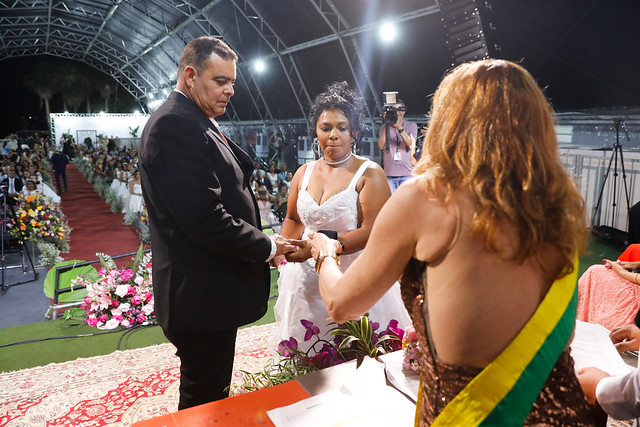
[288, 179]
[619, 396]
[12, 184]
[282, 174]
[265, 205]
[257, 168]
[263, 180]
[609, 294]
[272, 174]
[280, 202]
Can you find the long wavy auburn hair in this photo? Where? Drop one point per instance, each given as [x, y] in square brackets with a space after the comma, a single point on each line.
[491, 134]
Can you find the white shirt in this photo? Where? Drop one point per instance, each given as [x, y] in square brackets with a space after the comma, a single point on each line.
[620, 396]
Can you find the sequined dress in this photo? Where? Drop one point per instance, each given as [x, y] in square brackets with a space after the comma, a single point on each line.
[561, 401]
[298, 293]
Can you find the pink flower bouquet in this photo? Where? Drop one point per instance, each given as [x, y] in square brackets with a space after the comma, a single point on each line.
[121, 297]
[412, 354]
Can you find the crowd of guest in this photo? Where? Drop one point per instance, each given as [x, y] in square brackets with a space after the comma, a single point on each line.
[271, 188]
[24, 169]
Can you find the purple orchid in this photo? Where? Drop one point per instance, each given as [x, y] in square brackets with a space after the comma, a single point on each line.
[311, 329]
[287, 348]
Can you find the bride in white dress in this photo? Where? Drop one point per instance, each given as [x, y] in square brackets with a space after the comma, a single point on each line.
[135, 189]
[341, 192]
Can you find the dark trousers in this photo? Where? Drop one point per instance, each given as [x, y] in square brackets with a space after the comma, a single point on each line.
[206, 363]
[62, 174]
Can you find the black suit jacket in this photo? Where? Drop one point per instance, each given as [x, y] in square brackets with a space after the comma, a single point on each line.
[17, 183]
[209, 269]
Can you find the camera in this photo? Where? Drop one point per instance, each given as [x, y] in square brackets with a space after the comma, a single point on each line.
[262, 192]
[390, 114]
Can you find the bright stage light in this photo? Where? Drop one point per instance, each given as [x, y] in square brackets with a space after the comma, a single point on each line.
[259, 65]
[151, 96]
[388, 32]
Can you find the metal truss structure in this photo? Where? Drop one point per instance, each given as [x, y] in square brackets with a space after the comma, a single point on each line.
[139, 43]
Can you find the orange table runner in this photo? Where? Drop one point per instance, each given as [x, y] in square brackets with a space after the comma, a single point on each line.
[248, 409]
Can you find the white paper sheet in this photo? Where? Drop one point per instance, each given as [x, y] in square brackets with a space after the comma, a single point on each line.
[591, 346]
[406, 383]
[333, 408]
[364, 399]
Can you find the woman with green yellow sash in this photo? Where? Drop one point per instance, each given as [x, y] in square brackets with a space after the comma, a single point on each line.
[485, 238]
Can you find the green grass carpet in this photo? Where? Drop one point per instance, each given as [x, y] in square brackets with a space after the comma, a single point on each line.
[46, 350]
[83, 341]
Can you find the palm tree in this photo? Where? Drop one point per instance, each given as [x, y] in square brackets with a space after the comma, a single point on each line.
[75, 85]
[106, 90]
[38, 79]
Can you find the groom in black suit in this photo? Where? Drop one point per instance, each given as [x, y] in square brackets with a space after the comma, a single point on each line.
[210, 259]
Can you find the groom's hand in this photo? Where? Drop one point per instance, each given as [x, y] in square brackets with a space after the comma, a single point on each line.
[283, 246]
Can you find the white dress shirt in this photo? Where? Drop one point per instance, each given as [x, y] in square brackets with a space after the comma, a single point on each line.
[620, 396]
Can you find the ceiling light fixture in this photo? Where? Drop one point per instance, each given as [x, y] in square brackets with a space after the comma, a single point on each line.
[259, 65]
[388, 32]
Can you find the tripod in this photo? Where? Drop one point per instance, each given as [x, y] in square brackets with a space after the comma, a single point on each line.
[617, 151]
[7, 212]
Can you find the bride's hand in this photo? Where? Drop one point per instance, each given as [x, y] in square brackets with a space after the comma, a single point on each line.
[302, 253]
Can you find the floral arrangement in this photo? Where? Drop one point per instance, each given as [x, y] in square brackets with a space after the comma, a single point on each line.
[36, 218]
[347, 341]
[412, 354]
[120, 297]
[144, 215]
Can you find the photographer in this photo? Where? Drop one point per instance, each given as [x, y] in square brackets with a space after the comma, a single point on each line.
[398, 143]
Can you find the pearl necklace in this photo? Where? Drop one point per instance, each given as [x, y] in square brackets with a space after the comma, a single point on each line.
[339, 162]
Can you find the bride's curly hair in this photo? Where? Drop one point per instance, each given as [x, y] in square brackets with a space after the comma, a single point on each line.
[339, 96]
[491, 133]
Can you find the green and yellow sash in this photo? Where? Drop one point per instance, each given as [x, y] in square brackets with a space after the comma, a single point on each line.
[506, 389]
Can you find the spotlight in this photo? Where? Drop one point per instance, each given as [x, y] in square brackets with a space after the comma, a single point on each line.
[151, 96]
[259, 65]
[388, 32]
[165, 91]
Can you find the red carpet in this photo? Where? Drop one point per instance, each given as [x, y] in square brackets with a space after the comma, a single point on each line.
[94, 228]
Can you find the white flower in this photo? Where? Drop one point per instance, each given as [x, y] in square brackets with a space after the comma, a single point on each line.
[121, 290]
[147, 309]
[125, 323]
[124, 307]
[139, 280]
[111, 324]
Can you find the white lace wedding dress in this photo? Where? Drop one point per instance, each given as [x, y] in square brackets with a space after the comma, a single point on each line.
[298, 293]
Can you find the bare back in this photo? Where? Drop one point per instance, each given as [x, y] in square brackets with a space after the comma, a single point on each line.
[477, 300]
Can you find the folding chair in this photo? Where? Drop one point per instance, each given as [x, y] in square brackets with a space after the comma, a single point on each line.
[57, 285]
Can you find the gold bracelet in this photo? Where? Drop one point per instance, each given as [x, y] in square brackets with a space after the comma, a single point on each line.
[322, 255]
